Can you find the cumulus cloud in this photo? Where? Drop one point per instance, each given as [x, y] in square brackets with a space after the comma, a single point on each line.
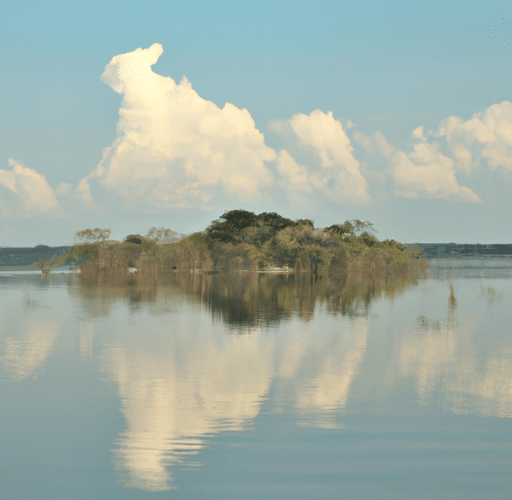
[174, 148]
[25, 193]
[417, 133]
[332, 168]
[425, 172]
[486, 136]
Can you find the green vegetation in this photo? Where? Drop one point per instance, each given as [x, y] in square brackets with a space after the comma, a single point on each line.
[243, 241]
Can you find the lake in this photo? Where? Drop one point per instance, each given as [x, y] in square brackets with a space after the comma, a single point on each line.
[258, 386]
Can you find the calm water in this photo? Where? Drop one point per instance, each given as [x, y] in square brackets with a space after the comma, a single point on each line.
[257, 387]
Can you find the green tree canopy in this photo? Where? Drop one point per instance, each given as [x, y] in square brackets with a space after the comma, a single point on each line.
[275, 220]
[362, 227]
[239, 219]
[305, 222]
[96, 235]
[341, 230]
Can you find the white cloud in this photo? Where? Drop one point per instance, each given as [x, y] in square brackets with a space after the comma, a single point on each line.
[417, 133]
[25, 193]
[332, 168]
[295, 176]
[63, 188]
[486, 136]
[424, 173]
[175, 149]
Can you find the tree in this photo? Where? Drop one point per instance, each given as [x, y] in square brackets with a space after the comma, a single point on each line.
[87, 242]
[239, 219]
[231, 224]
[305, 222]
[362, 227]
[368, 238]
[40, 264]
[220, 231]
[276, 221]
[341, 230]
[134, 238]
[53, 262]
[96, 235]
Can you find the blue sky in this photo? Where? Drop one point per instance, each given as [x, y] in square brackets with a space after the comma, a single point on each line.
[392, 112]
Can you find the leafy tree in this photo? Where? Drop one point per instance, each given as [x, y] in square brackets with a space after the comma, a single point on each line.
[87, 242]
[368, 238]
[276, 221]
[347, 228]
[96, 235]
[228, 229]
[257, 235]
[220, 231]
[305, 222]
[239, 219]
[134, 238]
[362, 227]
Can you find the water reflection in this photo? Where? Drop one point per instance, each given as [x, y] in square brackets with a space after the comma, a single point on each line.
[29, 326]
[177, 388]
[461, 359]
[245, 301]
[26, 353]
[312, 349]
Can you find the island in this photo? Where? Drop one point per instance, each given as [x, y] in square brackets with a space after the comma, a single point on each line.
[241, 241]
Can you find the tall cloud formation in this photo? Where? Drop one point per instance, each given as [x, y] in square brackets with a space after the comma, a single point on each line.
[175, 149]
[333, 171]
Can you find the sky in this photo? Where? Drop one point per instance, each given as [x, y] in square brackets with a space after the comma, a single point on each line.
[128, 115]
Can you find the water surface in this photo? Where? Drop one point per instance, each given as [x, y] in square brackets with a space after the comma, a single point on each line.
[252, 387]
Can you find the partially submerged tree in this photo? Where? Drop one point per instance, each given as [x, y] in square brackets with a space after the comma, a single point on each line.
[52, 263]
[87, 242]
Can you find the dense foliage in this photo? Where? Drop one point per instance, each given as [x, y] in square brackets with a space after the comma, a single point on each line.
[242, 240]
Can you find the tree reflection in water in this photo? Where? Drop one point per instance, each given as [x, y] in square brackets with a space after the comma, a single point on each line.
[244, 300]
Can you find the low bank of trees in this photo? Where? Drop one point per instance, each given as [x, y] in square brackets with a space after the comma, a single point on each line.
[242, 240]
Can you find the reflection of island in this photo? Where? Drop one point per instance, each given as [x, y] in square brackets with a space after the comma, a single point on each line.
[182, 384]
[247, 300]
[182, 379]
